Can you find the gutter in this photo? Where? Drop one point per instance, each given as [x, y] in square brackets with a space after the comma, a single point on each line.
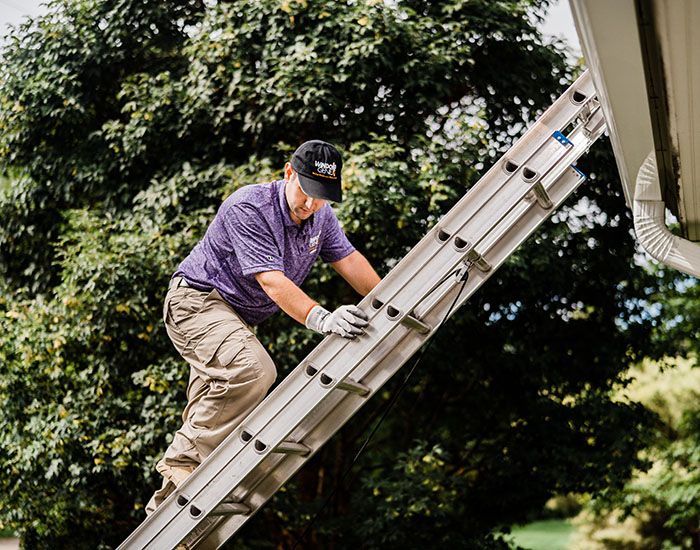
[650, 224]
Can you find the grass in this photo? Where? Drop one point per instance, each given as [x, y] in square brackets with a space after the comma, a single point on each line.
[552, 534]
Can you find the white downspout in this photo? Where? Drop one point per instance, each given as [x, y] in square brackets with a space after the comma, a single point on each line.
[650, 225]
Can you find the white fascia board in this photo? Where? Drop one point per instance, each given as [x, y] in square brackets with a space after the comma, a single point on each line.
[611, 47]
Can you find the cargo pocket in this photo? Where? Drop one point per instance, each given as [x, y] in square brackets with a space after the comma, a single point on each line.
[223, 355]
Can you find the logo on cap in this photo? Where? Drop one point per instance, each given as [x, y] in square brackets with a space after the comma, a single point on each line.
[324, 169]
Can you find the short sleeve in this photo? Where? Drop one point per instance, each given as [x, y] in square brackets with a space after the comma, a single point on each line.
[335, 245]
[253, 240]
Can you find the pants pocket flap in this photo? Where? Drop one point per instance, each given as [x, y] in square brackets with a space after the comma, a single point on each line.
[211, 344]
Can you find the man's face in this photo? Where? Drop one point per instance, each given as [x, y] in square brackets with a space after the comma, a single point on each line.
[301, 206]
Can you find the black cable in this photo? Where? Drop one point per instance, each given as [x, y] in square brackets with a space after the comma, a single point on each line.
[387, 409]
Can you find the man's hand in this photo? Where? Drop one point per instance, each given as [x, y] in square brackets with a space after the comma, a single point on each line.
[346, 321]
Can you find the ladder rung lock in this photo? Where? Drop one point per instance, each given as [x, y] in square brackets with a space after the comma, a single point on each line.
[230, 508]
[413, 323]
[260, 446]
[195, 512]
[245, 436]
[461, 244]
[292, 448]
[509, 167]
[182, 500]
[478, 260]
[529, 175]
[377, 303]
[353, 387]
[542, 196]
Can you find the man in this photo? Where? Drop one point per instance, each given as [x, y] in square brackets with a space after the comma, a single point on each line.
[257, 251]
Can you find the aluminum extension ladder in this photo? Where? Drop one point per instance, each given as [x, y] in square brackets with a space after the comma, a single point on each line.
[339, 376]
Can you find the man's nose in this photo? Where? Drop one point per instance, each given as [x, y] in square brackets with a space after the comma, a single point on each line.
[309, 202]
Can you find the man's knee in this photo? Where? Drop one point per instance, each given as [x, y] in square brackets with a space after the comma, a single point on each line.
[269, 373]
[263, 365]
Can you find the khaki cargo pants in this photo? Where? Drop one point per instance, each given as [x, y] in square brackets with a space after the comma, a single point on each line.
[230, 373]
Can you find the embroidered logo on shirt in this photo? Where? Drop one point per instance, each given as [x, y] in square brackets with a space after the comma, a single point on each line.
[313, 244]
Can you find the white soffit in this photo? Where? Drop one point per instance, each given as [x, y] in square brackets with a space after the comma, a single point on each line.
[676, 24]
[611, 47]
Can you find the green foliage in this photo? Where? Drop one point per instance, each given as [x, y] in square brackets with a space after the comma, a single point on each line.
[79, 422]
[29, 224]
[658, 508]
[124, 124]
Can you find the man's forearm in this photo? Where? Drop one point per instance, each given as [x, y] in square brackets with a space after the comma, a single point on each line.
[288, 296]
[358, 272]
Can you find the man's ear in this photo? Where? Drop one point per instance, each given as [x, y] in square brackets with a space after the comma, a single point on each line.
[288, 170]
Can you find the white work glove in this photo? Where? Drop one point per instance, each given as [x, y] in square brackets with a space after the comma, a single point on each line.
[346, 321]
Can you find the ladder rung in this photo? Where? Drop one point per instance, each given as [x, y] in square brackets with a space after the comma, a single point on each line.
[413, 323]
[595, 121]
[292, 448]
[478, 260]
[227, 508]
[354, 387]
[542, 196]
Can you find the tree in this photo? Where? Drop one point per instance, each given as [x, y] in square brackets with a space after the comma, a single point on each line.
[126, 122]
[658, 508]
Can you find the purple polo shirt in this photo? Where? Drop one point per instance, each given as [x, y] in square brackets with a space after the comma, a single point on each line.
[253, 232]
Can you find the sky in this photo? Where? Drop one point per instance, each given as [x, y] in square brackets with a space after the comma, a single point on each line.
[12, 11]
[559, 22]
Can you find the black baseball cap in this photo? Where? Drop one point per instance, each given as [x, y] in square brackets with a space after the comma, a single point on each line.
[318, 165]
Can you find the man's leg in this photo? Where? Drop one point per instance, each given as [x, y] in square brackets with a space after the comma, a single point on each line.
[230, 374]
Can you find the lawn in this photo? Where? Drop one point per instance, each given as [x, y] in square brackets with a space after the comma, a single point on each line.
[553, 534]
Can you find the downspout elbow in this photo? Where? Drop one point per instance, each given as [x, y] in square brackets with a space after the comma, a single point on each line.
[650, 225]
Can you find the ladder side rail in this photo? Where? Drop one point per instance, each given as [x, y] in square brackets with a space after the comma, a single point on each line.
[557, 195]
[397, 266]
[557, 199]
[282, 429]
[361, 357]
[268, 485]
